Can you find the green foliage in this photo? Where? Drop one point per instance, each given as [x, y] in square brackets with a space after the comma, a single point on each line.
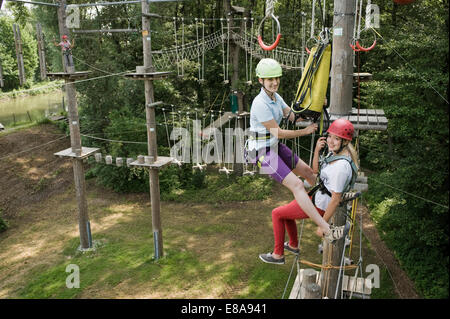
[8, 54]
[3, 223]
[410, 84]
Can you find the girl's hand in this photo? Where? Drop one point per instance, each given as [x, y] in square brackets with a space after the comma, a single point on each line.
[321, 142]
[319, 232]
[311, 128]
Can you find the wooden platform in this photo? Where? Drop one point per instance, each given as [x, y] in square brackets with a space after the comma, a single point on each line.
[161, 162]
[85, 152]
[367, 119]
[148, 76]
[64, 75]
[361, 289]
[363, 77]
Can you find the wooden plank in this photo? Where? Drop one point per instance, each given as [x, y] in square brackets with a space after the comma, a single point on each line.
[160, 162]
[295, 291]
[361, 187]
[372, 119]
[85, 152]
[361, 286]
[382, 120]
[148, 76]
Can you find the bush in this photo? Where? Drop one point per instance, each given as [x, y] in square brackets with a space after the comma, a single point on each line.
[3, 224]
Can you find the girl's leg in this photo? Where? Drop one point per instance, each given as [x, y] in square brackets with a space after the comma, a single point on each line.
[295, 185]
[285, 216]
[303, 170]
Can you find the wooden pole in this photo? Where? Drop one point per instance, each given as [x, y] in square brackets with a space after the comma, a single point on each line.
[341, 104]
[19, 54]
[75, 142]
[2, 84]
[238, 167]
[63, 30]
[311, 288]
[151, 133]
[342, 62]
[41, 51]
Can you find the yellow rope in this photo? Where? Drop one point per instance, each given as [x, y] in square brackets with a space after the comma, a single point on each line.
[326, 267]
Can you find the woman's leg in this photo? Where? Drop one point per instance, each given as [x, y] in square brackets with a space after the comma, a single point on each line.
[300, 167]
[284, 217]
[295, 185]
[303, 170]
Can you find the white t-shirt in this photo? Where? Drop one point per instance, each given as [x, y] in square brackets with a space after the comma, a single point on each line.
[335, 176]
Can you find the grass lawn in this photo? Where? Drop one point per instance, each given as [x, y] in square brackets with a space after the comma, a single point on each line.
[211, 248]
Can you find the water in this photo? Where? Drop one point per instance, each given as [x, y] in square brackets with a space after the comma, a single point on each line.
[37, 106]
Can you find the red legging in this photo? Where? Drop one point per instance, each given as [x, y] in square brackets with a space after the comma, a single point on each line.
[284, 217]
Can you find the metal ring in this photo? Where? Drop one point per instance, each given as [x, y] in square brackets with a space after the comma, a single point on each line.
[306, 44]
[369, 48]
[277, 40]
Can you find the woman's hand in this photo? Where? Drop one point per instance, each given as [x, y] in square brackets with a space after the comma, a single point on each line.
[319, 232]
[321, 142]
[310, 129]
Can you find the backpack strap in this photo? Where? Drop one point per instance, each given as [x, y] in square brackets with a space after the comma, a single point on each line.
[332, 158]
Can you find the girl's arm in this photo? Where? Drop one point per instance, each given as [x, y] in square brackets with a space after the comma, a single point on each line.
[319, 146]
[331, 208]
[273, 127]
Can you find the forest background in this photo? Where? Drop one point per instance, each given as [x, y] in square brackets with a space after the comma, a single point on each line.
[407, 165]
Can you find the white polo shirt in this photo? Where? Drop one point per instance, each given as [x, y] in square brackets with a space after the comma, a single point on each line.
[264, 109]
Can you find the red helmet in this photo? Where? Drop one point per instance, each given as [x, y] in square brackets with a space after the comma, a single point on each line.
[342, 128]
[64, 36]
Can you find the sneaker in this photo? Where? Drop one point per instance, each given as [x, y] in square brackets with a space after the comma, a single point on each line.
[337, 232]
[292, 250]
[267, 258]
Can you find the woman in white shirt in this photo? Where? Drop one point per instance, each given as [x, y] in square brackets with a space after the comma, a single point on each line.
[335, 175]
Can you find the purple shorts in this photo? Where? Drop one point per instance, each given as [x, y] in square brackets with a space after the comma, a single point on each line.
[277, 164]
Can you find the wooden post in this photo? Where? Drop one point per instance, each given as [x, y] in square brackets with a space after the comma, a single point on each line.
[238, 167]
[342, 64]
[75, 142]
[341, 104]
[311, 288]
[19, 54]
[151, 133]
[41, 51]
[63, 30]
[2, 84]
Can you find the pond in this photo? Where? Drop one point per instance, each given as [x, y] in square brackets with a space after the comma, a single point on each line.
[35, 107]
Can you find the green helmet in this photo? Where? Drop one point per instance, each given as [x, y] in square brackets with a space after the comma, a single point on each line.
[268, 68]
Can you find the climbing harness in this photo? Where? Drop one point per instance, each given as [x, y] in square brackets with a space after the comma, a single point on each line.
[328, 159]
[311, 92]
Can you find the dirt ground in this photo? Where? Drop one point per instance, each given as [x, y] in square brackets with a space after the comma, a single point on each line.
[30, 174]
